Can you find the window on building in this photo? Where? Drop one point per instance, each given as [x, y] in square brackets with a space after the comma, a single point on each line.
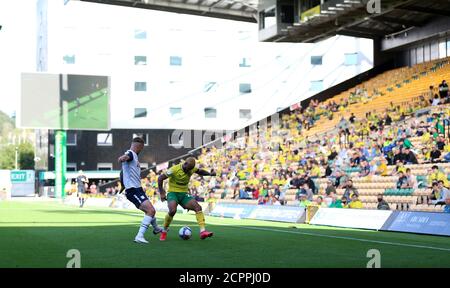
[245, 88]
[104, 139]
[434, 50]
[71, 167]
[413, 56]
[140, 86]
[419, 52]
[448, 47]
[175, 61]
[104, 166]
[175, 111]
[316, 85]
[442, 48]
[245, 62]
[140, 60]
[210, 112]
[351, 59]
[71, 138]
[426, 53]
[140, 112]
[69, 59]
[245, 113]
[210, 87]
[316, 60]
[144, 136]
[140, 34]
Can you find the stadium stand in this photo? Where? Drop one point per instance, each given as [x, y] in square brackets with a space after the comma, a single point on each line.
[362, 135]
[382, 127]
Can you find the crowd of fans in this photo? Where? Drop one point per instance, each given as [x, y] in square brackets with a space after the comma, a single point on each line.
[270, 161]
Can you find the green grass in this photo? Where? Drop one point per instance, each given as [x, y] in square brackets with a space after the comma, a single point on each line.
[39, 234]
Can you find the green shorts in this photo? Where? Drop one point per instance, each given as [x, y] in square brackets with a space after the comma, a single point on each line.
[180, 197]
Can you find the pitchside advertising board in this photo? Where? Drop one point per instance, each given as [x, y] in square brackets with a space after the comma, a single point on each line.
[419, 222]
[351, 218]
[260, 212]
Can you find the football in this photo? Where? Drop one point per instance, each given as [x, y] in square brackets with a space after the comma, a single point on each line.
[185, 233]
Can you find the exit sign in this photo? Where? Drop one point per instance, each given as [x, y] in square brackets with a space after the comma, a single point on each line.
[22, 177]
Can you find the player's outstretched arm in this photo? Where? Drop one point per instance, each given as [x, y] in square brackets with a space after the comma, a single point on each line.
[202, 172]
[123, 158]
[161, 190]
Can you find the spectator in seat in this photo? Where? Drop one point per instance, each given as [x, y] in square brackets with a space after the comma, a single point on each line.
[382, 169]
[431, 94]
[382, 204]
[243, 194]
[304, 202]
[443, 89]
[355, 160]
[340, 180]
[307, 191]
[440, 143]
[330, 187]
[297, 182]
[352, 118]
[399, 167]
[436, 100]
[447, 205]
[344, 202]
[333, 154]
[412, 181]
[350, 190]
[402, 182]
[356, 203]
[398, 155]
[334, 202]
[435, 155]
[410, 157]
[436, 175]
[439, 193]
[320, 203]
[365, 169]
[425, 155]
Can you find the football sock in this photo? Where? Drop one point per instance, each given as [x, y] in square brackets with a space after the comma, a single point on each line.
[144, 225]
[153, 222]
[167, 221]
[200, 220]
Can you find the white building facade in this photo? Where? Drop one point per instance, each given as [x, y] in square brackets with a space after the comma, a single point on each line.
[173, 71]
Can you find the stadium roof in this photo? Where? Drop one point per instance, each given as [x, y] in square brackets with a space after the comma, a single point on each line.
[241, 10]
[350, 17]
[344, 17]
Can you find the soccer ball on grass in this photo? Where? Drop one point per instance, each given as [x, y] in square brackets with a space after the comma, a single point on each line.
[185, 233]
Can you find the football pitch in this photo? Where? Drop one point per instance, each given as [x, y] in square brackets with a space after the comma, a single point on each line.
[40, 234]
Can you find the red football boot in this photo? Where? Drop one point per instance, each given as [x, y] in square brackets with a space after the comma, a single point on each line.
[205, 234]
[163, 236]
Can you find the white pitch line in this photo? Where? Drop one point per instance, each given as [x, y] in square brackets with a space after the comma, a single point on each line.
[336, 237]
[351, 238]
